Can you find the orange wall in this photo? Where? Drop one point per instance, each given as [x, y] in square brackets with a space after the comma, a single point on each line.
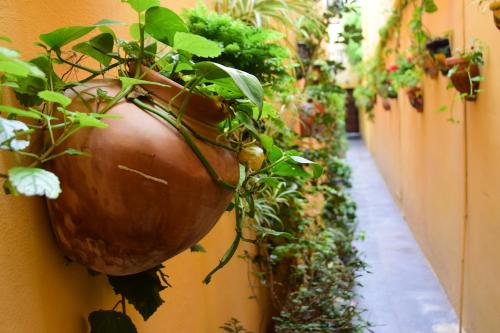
[445, 175]
[40, 293]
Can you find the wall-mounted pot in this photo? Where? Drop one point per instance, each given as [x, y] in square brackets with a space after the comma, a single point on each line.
[416, 97]
[142, 196]
[462, 77]
[304, 50]
[386, 104]
[440, 49]
[495, 7]
[431, 68]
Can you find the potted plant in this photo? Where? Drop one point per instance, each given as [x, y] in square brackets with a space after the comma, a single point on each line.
[136, 200]
[494, 6]
[464, 71]
[408, 76]
[440, 49]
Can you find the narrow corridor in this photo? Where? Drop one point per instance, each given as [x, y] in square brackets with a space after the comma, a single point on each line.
[401, 293]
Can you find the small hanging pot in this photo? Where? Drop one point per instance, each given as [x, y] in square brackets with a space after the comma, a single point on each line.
[495, 8]
[440, 49]
[386, 104]
[462, 76]
[416, 97]
[143, 195]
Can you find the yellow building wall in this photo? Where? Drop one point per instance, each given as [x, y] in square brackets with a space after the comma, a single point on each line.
[41, 293]
[444, 175]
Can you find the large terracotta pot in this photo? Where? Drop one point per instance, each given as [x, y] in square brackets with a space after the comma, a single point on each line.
[461, 77]
[495, 7]
[143, 196]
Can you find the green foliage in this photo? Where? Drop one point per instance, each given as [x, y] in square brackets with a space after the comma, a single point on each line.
[233, 325]
[110, 322]
[142, 290]
[247, 48]
[406, 74]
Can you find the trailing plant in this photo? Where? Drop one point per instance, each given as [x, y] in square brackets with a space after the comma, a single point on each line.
[375, 70]
[463, 70]
[47, 120]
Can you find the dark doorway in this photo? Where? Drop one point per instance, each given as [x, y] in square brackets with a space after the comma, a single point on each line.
[352, 114]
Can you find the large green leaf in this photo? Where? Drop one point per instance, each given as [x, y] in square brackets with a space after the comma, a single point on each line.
[35, 181]
[60, 37]
[34, 114]
[317, 169]
[54, 97]
[98, 48]
[197, 45]
[142, 290]
[142, 5]
[20, 68]
[110, 322]
[8, 130]
[162, 24]
[247, 83]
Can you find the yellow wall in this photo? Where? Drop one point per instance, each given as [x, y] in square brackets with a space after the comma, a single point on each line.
[40, 293]
[444, 175]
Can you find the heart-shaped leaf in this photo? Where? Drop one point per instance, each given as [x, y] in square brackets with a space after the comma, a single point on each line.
[60, 37]
[98, 48]
[142, 5]
[247, 83]
[35, 181]
[54, 97]
[196, 45]
[110, 322]
[162, 24]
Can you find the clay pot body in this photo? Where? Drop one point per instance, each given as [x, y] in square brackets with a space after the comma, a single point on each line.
[461, 77]
[416, 98]
[386, 104]
[142, 196]
[495, 8]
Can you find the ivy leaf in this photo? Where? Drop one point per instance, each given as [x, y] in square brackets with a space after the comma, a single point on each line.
[162, 24]
[196, 45]
[142, 5]
[8, 129]
[60, 37]
[34, 114]
[110, 322]
[142, 290]
[87, 119]
[287, 169]
[54, 97]
[35, 181]
[430, 6]
[20, 68]
[247, 83]
[98, 48]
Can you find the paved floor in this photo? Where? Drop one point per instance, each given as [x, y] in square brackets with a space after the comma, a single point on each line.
[402, 294]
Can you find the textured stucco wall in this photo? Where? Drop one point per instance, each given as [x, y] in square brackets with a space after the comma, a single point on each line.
[444, 175]
[40, 293]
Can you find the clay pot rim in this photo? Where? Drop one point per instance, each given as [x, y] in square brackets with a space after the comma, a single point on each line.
[202, 108]
[495, 5]
[450, 62]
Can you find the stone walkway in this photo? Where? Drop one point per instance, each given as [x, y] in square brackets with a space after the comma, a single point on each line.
[402, 293]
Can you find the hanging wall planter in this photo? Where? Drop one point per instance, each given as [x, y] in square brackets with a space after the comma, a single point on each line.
[430, 66]
[440, 49]
[495, 7]
[386, 104]
[143, 196]
[464, 76]
[416, 97]
[304, 50]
